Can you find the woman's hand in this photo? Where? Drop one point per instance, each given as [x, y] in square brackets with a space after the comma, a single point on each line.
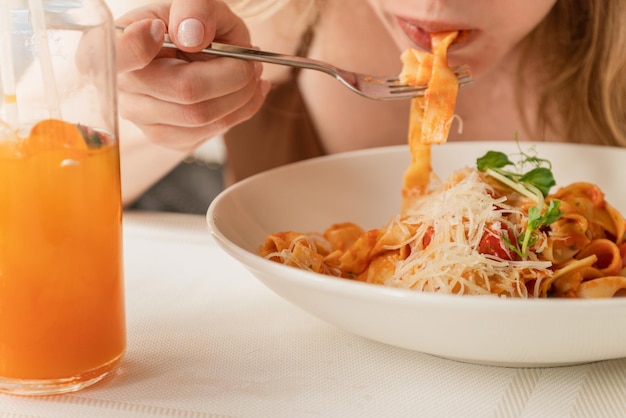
[178, 98]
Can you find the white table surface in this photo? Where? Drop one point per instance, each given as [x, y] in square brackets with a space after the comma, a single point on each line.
[206, 339]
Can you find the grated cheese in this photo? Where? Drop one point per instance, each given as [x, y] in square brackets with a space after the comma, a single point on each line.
[458, 215]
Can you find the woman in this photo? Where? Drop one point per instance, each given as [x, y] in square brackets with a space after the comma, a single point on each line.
[547, 70]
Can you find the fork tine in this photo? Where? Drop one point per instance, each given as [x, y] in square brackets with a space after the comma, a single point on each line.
[401, 91]
[398, 90]
[462, 78]
[461, 72]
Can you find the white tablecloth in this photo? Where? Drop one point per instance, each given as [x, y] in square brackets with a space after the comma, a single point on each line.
[206, 339]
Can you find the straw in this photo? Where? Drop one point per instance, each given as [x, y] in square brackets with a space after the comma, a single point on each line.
[38, 21]
[7, 70]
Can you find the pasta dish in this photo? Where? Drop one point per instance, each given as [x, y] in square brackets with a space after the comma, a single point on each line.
[493, 229]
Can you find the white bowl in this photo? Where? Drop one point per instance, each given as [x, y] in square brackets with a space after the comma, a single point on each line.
[364, 187]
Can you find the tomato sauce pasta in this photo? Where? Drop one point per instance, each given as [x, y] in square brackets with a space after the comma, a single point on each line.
[486, 230]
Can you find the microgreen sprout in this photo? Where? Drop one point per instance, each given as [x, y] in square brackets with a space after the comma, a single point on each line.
[534, 184]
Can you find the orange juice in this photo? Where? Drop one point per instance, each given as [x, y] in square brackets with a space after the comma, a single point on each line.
[61, 288]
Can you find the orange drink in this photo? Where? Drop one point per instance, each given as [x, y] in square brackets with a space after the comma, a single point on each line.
[62, 324]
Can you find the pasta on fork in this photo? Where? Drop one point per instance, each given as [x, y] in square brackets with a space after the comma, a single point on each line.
[431, 115]
[494, 229]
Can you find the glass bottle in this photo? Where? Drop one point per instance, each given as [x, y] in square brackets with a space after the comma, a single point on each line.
[62, 324]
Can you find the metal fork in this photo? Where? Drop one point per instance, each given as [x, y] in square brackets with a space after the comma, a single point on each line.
[373, 87]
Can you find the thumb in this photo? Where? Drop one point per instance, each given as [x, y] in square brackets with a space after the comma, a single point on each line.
[194, 24]
[139, 43]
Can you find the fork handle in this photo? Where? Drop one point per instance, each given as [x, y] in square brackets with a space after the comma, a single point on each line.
[233, 51]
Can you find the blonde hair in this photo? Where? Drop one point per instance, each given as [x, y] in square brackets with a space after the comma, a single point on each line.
[580, 48]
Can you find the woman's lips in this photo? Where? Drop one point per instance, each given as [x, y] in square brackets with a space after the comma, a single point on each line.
[419, 32]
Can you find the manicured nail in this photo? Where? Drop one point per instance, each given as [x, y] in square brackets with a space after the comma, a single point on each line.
[157, 30]
[190, 32]
[258, 69]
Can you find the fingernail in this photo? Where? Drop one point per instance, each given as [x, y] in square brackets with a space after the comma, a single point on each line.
[258, 69]
[157, 30]
[190, 32]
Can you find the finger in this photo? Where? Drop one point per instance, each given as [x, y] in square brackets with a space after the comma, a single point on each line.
[139, 43]
[145, 110]
[177, 81]
[194, 24]
[187, 139]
